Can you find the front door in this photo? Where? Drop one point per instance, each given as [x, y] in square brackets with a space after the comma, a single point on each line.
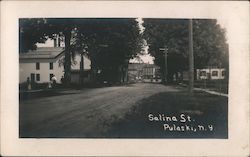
[32, 77]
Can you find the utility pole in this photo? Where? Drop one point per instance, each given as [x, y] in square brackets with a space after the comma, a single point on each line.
[166, 64]
[165, 51]
[191, 57]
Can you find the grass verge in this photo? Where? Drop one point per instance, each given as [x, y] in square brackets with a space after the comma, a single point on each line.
[166, 115]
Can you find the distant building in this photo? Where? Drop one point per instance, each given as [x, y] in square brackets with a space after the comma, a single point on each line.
[144, 72]
[210, 73]
[40, 65]
[135, 71]
[150, 71]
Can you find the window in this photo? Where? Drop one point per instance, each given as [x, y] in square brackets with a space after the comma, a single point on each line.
[50, 76]
[203, 73]
[223, 73]
[37, 77]
[37, 66]
[51, 65]
[215, 73]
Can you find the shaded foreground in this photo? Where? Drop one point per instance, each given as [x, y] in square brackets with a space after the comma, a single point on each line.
[80, 113]
[123, 112]
[165, 115]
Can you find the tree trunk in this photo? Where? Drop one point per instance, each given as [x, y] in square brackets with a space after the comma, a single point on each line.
[126, 75]
[67, 63]
[81, 69]
[123, 73]
[163, 71]
[170, 77]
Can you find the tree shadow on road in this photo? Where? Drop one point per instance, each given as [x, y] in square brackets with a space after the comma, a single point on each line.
[43, 93]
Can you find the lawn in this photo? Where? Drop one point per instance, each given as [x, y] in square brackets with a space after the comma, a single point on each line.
[174, 115]
[214, 85]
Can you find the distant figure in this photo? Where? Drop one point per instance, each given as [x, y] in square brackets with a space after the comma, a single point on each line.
[62, 80]
[49, 85]
[174, 77]
[53, 79]
[179, 77]
[28, 84]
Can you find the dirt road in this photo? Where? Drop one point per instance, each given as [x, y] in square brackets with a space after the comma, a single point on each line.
[82, 113]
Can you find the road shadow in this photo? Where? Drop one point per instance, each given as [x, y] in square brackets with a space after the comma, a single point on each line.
[165, 115]
[29, 95]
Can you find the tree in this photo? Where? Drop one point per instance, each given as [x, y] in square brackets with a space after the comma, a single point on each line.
[208, 38]
[38, 30]
[31, 31]
[110, 43]
[170, 34]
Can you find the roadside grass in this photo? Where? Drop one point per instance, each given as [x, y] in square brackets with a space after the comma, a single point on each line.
[214, 85]
[203, 108]
[41, 90]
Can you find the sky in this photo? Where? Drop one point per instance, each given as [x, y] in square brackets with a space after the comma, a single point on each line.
[146, 58]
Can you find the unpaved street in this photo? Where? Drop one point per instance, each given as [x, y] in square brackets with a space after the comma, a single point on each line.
[82, 113]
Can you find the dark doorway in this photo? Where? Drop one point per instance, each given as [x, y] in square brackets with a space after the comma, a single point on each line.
[32, 77]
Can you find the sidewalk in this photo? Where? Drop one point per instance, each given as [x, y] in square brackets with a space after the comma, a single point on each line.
[211, 92]
[206, 90]
[37, 93]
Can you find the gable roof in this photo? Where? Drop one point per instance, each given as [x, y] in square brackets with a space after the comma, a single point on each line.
[140, 66]
[42, 53]
[136, 66]
[151, 66]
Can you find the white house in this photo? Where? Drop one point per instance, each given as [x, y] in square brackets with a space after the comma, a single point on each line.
[41, 64]
[212, 73]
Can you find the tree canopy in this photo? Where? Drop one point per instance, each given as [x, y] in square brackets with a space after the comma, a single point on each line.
[110, 43]
[210, 47]
[31, 31]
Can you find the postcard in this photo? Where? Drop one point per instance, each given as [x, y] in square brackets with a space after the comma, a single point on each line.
[126, 78]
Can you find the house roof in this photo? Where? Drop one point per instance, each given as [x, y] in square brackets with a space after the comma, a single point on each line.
[140, 66]
[135, 66]
[150, 66]
[42, 53]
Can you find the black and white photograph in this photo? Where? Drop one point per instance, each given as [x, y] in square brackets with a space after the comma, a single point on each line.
[123, 78]
[126, 78]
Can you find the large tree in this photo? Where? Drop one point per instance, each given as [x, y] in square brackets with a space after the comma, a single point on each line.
[37, 30]
[31, 31]
[110, 43]
[210, 47]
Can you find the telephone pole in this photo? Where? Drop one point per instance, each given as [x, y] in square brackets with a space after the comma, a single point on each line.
[166, 65]
[165, 51]
[191, 57]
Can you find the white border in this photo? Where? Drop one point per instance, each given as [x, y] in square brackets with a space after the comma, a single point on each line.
[236, 15]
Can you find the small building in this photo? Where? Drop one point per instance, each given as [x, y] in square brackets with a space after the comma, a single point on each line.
[144, 72]
[151, 73]
[41, 64]
[135, 71]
